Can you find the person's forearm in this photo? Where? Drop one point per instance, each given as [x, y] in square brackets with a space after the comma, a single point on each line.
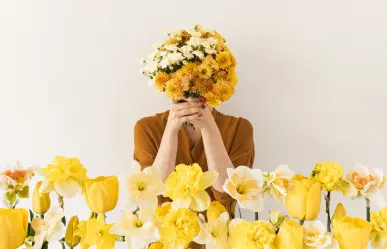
[217, 157]
[166, 156]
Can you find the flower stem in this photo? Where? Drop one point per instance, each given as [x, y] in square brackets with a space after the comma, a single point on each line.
[368, 209]
[327, 210]
[302, 222]
[256, 216]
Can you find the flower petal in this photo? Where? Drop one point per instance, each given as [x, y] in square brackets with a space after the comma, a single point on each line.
[207, 179]
[46, 187]
[378, 199]
[255, 205]
[181, 203]
[67, 187]
[200, 201]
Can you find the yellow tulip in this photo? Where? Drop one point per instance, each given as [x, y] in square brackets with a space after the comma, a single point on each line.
[156, 245]
[290, 236]
[71, 239]
[101, 193]
[339, 213]
[303, 199]
[41, 202]
[13, 227]
[352, 233]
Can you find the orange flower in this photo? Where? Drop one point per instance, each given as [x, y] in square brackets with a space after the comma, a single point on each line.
[161, 80]
[223, 90]
[174, 89]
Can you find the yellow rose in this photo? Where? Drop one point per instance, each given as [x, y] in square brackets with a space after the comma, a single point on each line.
[101, 193]
[13, 227]
[352, 233]
[41, 202]
[71, 239]
[303, 199]
[379, 229]
[251, 235]
[179, 227]
[215, 210]
[290, 236]
[327, 174]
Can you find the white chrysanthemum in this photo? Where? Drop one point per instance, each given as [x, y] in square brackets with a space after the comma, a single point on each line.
[195, 41]
[198, 54]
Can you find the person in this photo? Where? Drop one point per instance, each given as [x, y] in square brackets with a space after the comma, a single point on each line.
[216, 142]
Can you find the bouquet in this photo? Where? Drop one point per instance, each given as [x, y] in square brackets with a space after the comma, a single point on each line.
[193, 63]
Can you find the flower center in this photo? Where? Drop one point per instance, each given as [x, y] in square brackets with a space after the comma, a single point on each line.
[141, 186]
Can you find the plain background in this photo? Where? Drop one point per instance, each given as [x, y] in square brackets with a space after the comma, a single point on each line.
[312, 80]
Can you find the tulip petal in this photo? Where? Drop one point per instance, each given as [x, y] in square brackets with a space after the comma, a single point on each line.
[255, 205]
[200, 201]
[207, 179]
[67, 187]
[313, 202]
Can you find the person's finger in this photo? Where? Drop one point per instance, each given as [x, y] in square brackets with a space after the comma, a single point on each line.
[188, 111]
[190, 118]
[185, 105]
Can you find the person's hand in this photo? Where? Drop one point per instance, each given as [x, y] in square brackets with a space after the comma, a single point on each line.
[207, 121]
[183, 112]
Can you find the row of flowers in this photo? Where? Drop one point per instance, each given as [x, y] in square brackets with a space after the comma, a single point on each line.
[191, 216]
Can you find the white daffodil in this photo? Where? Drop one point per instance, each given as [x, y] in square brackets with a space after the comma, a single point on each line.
[15, 177]
[50, 228]
[143, 187]
[139, 230]
[316, 237]
[363, 183]
[276, 182]
[245, 186]
[213, 234]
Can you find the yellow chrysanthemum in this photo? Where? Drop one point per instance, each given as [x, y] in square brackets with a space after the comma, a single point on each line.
[327, 174]
[65, 176]
[218, 36]
[205, 72]
[223, 90]
[251, 235]
[161, 81]
[179, 227]
[232, 76]
[212, 99]
[379, 229]
[210, 62]
[189, 68]
[203, 86]
[215, 210]
[233, 59]
[174, 89]
[224, 59]
[187, 185]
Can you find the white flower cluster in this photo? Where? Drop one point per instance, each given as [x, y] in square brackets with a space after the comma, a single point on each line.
[171, 57]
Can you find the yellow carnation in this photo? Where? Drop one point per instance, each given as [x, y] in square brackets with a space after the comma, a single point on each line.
[174, 89]
[379, 229]
[161, 81]
[223, 90]
[179, 227]
[224, 59]
[251, 235]
[328, 174]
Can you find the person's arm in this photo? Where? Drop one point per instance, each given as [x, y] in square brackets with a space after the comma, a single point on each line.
[165, 158]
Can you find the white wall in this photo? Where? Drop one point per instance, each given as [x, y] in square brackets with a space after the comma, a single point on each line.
[312, 79]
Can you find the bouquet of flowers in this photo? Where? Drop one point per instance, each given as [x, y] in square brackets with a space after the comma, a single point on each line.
[193, 63]
[191, 216]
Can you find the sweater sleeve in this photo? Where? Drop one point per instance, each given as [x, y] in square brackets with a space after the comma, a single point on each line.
[144, 148]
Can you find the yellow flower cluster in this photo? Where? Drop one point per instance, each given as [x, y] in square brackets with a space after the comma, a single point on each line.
[379, 229]
[328, 174]
[193, 63]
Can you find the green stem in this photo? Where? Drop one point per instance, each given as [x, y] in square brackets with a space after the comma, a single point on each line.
[256, 216]
[368, 209]
[302, 222]
[327, 210]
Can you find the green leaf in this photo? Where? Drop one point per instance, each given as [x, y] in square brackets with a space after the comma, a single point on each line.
[64, 220]
[24, 193]
[32, 216]
[10, 197]
[30, 231]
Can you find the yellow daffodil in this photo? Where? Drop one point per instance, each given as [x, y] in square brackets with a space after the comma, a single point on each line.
[352, 233]
[179, 228]
[290, 236]
[143, 187]
[81, 232]
[139, 230]
[316, 237]
[71, 239]
[277, 218]
[277, 182]
[245, 185]
[101, 193]
[213, 234]
[41, 202]
[379, 229]
[98, 233]
[360, 182]
[13, 227]
[50, 228]
[251, 235]
[162, 211]
[215, 210]
[187, 185]
[303, 199]
[328, 174]
[65, 176]
[14, 182]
